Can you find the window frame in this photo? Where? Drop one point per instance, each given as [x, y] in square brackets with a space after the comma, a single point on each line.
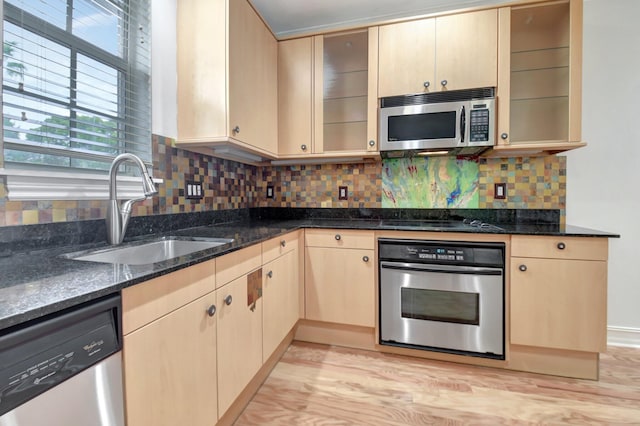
[128, 75]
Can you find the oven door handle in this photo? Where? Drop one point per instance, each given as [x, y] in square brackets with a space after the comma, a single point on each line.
[448, 269]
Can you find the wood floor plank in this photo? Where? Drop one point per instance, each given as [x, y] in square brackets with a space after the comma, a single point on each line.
[321, 385]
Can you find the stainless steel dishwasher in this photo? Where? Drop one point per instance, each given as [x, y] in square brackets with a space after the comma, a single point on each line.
[64, 370]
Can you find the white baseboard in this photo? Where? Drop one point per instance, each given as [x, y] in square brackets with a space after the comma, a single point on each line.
[623, 336]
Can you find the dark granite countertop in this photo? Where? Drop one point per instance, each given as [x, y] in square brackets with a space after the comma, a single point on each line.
[35, 283]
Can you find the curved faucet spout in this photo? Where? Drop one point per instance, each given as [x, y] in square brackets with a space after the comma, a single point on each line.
[118, 218]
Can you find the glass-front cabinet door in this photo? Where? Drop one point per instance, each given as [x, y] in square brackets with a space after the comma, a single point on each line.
[540, 84]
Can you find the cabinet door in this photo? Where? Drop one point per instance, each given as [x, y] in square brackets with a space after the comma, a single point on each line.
[295, 89]
[339, 286]
[202, 69]
[540, 76]
[280, 300]
[467, 50]
[253, 79]
[559, 303]
[239, 339]
[170, 368]
[406, 58]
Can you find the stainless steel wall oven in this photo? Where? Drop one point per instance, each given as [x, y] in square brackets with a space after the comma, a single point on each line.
[445, 296]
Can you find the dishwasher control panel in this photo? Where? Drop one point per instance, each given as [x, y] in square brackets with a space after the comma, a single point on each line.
[38, 356]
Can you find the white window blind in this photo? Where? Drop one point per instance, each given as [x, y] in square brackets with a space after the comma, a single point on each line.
[76, 83]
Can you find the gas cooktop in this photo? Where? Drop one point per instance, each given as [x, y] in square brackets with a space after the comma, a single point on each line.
[435, 225]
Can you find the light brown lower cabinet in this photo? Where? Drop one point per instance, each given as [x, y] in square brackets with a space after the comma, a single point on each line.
[170, 349]
[339, 277]
[559, 292]
[280, 295]
[239, 339]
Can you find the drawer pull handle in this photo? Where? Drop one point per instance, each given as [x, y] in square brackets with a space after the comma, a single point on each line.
[444, 82]
[236, 129]
[523, 268]
[270, 274]
[426, 84]
[228, 300]
[561, 246]
[303, 147]
[504, 136]
[212, 310]
[283, 243]
[372, 143]
[338, 237]
[365, 258]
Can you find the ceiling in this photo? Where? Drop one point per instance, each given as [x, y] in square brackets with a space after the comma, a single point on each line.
[290, 18]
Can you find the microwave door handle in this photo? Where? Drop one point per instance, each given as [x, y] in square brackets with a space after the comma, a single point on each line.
[463, 123]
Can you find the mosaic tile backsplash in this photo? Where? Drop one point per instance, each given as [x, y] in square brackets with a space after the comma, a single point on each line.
[444, 182]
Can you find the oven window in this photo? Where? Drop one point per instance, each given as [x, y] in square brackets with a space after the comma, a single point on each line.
[434, 125]
[437, 305]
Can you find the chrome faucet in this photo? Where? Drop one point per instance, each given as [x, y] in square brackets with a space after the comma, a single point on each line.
[117, 217]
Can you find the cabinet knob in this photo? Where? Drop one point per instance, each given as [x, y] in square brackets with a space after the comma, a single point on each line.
[561, 246]
[365, 258]
[270, 274]
[338, 237]
[426, 84]
[283, 243]
[504, 136]
[212, 310]
[236, 129]
[444, 82]
[372, 143]
[303, 147]
[523, 268]
[228, 300]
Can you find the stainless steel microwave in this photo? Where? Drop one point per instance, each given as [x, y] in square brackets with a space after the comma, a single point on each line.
[458, 122]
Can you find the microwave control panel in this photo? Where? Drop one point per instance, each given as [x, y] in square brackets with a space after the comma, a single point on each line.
[479, 124]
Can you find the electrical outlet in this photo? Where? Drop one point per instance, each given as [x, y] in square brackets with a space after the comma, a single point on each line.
[270, 193]
[500, 191]
[193, 190]
[343, 193]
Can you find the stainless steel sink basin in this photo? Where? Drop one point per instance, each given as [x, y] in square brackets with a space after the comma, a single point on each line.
[153, 251]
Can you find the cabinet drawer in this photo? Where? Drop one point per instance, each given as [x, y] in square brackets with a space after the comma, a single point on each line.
[560, 247]
[234, 265]
[339, 238]
[148, 301]
[278, 246]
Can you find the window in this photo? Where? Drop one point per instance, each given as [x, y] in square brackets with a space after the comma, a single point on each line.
[76, 83]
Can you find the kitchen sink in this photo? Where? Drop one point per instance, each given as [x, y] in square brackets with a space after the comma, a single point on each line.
[150, 251]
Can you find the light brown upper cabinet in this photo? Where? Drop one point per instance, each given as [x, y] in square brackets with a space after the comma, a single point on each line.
[327, 95]
[540, 78]
[443, 53]
[227, 79]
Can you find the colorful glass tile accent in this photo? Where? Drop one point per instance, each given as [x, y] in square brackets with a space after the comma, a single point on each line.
[430, 182]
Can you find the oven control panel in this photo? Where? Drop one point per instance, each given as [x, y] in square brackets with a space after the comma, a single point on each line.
[443, 252]
[439, 253]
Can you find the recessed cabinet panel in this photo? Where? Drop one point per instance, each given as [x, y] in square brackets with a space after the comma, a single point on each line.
[339, 286]
[170, 368]
[466, 50]
[407, 57]
[559, 304]
[239, 340]
[295, 83]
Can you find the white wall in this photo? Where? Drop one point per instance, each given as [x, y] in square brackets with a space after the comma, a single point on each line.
[603, 179]
[164, 79]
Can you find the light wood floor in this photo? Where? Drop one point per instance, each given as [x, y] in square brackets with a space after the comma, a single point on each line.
[322, 385]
